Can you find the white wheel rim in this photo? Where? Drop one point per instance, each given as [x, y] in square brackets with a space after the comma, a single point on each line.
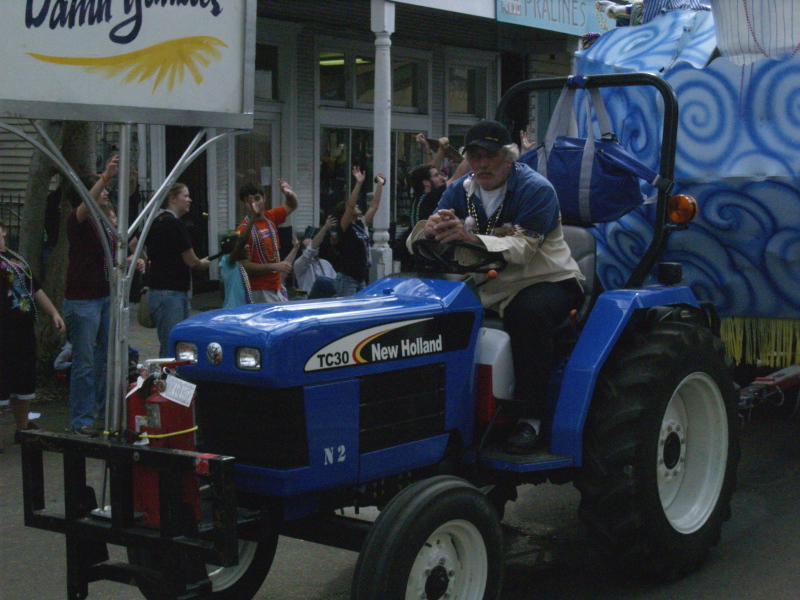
[224, 577]
[692, 453]
[452, 564]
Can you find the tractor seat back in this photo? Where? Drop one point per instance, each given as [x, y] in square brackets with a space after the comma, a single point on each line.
[583, 246]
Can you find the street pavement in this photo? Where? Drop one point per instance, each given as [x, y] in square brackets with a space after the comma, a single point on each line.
[548, 556]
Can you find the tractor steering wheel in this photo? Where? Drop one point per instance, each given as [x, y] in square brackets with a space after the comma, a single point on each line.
[442, 257]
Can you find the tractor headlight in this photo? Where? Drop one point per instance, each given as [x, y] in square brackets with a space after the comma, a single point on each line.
[186, 351]
[248, 359]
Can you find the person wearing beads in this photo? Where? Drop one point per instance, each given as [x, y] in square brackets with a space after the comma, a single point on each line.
[21, 301]
[508, 207]
[87, 303]
[265, 267]
[352, 240]
[172, 258]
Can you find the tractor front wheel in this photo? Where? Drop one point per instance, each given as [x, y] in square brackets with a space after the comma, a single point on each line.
[438, 538]
[240, 582]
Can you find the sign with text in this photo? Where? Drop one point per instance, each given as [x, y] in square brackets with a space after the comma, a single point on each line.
[173, 62]
[574, 17]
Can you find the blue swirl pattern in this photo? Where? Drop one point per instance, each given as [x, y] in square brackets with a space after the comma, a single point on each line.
[653, 47]
[738, 155]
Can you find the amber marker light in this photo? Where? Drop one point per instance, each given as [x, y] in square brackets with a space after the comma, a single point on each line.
[682, 208]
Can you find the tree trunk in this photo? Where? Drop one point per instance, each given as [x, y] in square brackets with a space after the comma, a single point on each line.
[78, 146]
[41, 172]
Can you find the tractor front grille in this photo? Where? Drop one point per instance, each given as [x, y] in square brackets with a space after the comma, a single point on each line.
[402, 406]
[261, 427]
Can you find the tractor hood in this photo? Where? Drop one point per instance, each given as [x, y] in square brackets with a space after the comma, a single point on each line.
[398, 319]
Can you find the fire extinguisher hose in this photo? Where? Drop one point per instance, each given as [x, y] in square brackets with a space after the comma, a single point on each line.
[156, 436]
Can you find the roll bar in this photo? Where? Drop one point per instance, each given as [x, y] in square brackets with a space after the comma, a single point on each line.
[661, 228]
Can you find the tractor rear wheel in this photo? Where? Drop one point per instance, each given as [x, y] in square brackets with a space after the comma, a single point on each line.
[438, 538]
[661, 449]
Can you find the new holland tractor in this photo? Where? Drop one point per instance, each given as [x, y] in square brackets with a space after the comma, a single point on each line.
[397, 398]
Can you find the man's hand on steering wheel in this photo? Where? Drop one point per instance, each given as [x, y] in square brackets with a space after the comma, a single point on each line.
[444, 226]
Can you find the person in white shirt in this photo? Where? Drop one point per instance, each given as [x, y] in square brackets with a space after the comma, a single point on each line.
[309, 266]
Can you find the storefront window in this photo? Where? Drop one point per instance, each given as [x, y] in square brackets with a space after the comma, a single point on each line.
[342, 149]
[466, 91]
[332, 77]
[333, 167]
[407, 156]
[254, 161]
[347, 79]
[406, 84]
[266, 73]
[365, 80]
[456, 134]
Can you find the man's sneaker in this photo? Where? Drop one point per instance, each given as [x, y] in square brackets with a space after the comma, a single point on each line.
[87, 430]
[522, 440]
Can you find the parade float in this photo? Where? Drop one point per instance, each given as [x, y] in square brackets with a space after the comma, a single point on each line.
[736, 74]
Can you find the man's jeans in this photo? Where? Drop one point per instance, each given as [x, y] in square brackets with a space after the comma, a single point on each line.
[346, 285]
[87, 325]
[168, 308]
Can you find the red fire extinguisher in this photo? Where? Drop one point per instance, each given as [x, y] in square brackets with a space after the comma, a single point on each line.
[159, 422]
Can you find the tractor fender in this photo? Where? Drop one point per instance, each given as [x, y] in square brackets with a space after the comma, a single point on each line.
[606, 322]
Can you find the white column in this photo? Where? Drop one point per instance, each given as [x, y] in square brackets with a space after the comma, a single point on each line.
[158, 156]
[142, 160]
[382, 24]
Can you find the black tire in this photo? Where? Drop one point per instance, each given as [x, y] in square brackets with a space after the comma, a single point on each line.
[440, 535]
[241, 582]
[661, 448]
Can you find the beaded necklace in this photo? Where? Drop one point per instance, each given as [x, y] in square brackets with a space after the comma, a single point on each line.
[261, 248]
[473, 212]
[19, 272]
[414, 218]
[248, 293]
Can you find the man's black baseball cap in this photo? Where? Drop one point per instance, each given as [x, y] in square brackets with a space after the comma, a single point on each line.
[490, 135]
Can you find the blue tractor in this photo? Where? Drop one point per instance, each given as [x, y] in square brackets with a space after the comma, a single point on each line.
[394, 398]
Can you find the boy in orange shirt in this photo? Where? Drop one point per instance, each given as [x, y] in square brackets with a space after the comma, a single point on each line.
[264, 267]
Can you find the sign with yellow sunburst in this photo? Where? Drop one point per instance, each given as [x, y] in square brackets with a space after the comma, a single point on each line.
[177, 62]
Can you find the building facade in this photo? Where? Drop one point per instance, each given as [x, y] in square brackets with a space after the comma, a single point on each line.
[318, 97]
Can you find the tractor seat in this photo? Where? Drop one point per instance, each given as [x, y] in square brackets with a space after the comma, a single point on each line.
[582, 244]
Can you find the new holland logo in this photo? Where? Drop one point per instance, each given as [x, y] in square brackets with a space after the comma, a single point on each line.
[394, 341]
[214, 353]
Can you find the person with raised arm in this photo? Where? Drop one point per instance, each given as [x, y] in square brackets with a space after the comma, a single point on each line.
[264, 265]
[352, 240]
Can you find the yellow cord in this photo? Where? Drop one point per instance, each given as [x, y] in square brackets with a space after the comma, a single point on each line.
[158, 436]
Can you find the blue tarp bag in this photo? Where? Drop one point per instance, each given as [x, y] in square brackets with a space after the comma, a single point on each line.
[596, 179]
